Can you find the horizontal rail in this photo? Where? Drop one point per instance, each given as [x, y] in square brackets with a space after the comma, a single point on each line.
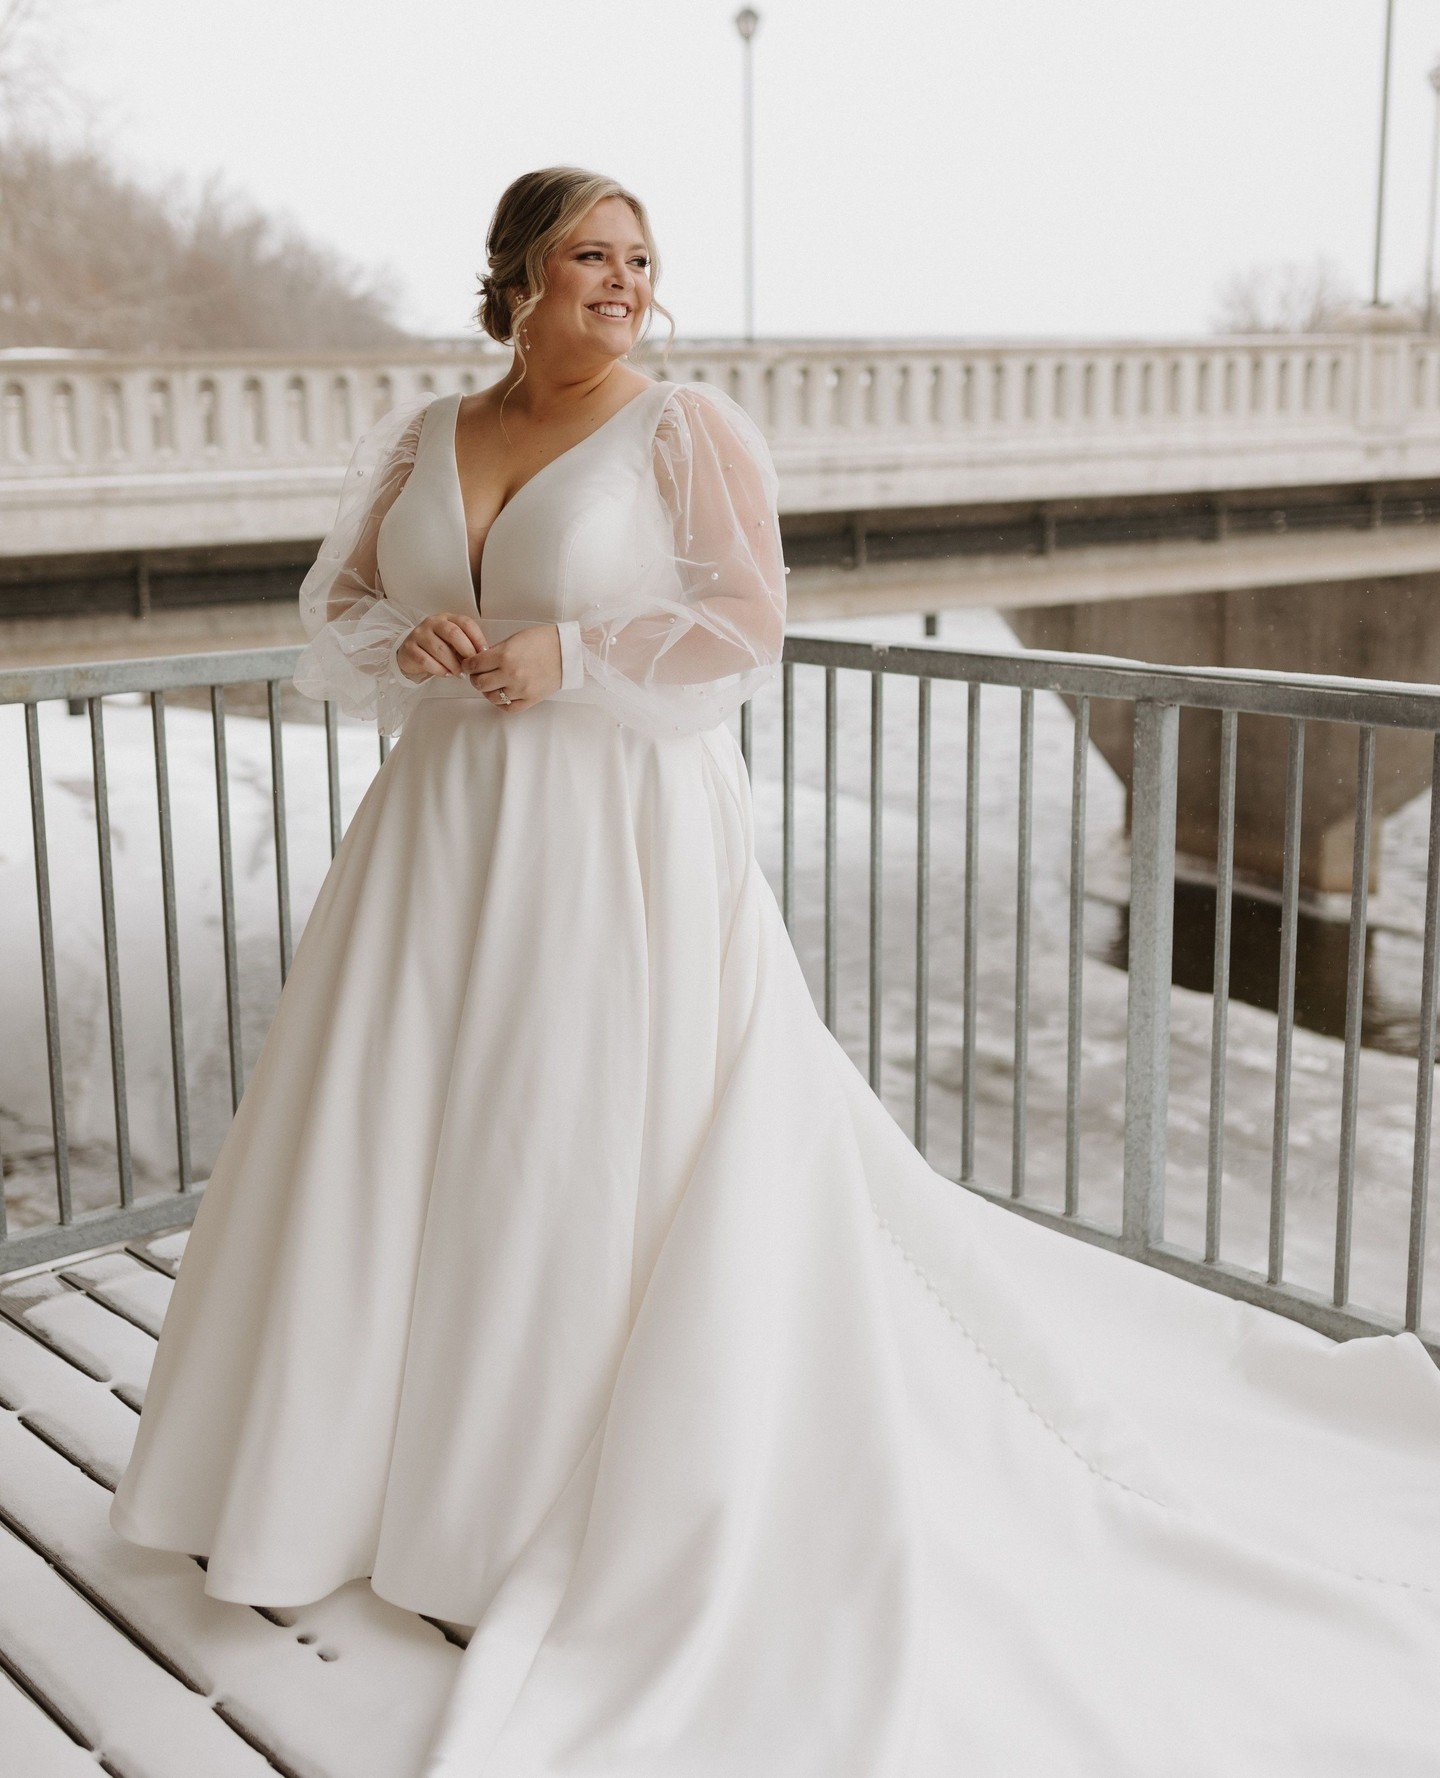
[1385, 703]
[175, 672]
[1244, 1283]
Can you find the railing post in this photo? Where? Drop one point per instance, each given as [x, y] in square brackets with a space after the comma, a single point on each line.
[1152, 918]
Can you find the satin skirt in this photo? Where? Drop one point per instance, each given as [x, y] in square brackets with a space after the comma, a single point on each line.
[560, 1273]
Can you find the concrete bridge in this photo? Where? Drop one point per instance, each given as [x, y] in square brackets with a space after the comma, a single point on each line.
[1251, 502]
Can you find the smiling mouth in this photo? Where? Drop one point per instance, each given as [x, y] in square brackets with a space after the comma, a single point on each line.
[601, 308]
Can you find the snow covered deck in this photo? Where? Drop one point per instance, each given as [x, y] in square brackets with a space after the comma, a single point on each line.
[113, 1658]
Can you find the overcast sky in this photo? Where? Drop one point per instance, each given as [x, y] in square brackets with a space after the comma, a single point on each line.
[962, 167]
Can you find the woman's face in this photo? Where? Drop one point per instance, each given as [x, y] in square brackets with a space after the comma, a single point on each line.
[602, 265]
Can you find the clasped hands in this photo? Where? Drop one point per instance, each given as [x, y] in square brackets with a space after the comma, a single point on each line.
[525, 667]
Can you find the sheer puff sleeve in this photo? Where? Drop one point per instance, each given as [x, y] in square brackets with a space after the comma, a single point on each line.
[705, 629]
[355, 629]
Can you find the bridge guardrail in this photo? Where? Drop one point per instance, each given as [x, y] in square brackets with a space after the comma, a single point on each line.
[851, 422]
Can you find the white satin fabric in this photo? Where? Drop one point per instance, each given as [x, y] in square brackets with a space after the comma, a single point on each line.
[562, 1274]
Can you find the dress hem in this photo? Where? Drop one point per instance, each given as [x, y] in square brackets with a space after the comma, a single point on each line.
[231, 1586]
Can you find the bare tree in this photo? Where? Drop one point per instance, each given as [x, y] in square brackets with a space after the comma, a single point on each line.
[26, 63]
[1291, 297]
[35, 92]
[92, 257]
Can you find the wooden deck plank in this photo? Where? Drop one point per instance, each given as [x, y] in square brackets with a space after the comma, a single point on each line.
[345, 1688]
[130, 1710]
[34, 1746]
[163, 1250]
[125, 1284]
[83, 1417]
[95, 1339]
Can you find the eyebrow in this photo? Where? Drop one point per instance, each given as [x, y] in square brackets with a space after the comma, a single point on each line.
[594, 243]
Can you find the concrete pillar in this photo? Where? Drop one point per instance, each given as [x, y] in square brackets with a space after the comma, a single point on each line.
[1386, 629]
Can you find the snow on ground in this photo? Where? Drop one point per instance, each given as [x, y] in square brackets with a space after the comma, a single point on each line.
[25, 1131]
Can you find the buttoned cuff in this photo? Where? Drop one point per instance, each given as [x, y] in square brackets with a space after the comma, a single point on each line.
[572, 660]
[397, 672]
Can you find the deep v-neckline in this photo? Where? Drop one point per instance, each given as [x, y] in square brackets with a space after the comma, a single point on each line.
[477, 581]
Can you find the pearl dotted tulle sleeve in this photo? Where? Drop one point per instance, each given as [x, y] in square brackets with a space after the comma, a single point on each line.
[705, 627]
[355, 630]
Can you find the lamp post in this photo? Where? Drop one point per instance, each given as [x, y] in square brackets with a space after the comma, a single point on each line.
[1430, 225]
[747, 22]
[1384, 132]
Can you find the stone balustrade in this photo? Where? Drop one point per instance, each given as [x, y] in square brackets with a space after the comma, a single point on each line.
[852, 423]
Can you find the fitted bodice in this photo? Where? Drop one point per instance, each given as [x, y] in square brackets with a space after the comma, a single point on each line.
[575, 534]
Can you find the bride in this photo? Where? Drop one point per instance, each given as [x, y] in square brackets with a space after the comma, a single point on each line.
[560, 1274]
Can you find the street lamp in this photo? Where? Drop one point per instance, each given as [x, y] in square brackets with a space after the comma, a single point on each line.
[747, 22]
[1430, 226]
[1384, 131]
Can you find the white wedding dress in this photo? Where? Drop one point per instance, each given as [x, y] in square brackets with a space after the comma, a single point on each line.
[561, 1273]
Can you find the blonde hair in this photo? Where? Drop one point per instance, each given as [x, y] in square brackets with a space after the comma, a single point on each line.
[534, 215]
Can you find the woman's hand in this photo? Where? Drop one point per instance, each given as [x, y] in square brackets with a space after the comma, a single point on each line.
[441, 646]
[526, 666]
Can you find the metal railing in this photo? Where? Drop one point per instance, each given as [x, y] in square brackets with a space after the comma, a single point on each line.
[86, 686]
[1157, 696]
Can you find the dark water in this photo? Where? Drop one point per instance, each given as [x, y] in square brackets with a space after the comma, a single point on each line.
[1389, 1018]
